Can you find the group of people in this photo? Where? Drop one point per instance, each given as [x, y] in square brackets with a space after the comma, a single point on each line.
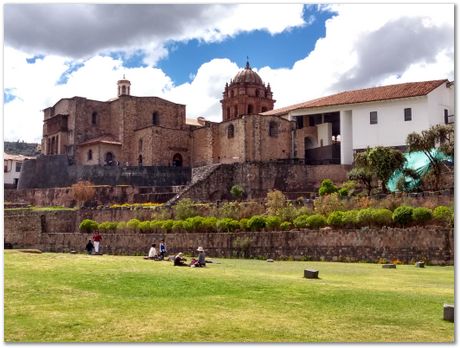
[93, 244]
[179, 260]
[153, 253]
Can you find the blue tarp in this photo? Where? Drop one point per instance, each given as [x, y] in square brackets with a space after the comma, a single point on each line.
[419, 162]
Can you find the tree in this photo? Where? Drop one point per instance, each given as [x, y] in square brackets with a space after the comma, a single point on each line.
[83, 191]
[379, 162]
[441, 136]
[237, 192]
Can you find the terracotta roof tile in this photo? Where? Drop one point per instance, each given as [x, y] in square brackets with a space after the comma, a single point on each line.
[403, 90]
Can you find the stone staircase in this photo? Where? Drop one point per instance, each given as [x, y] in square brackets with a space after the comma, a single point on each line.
[159, 194]
[199, 174]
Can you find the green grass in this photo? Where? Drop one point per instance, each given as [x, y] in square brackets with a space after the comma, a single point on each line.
[79, 298]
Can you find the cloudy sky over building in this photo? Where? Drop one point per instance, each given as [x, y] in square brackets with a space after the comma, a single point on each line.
[186, 53]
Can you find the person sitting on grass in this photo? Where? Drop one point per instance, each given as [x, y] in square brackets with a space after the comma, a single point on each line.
[201, 262]
[153, 255]
[179, 260]
[89, 247]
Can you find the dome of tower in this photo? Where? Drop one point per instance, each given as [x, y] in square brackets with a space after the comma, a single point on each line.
[247, 76]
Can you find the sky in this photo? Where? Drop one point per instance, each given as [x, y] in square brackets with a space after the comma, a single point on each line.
[186, 53]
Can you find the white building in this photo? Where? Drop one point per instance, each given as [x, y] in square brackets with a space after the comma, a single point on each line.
[354, 120]
[12, 169]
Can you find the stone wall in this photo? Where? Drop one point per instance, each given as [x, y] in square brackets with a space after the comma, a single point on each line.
[58, 231]
[258, 178]
[54, 171]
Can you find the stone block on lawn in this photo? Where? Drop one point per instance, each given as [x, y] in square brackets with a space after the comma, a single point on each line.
[269, 260]
[420, 264]
[310, 273]
[449, 312]
[389, 265]
[73, 252]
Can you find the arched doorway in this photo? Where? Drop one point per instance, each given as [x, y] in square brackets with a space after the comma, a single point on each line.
[109, 158]
[177, 160]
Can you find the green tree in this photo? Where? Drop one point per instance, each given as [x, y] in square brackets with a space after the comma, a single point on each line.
[438, 135]
[384, 161]
[362, 175]
[237, 191]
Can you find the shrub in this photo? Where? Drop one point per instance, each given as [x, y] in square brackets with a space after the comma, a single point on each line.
[88, 225]
[349, 186]
[227, 225]
[178, 226]
[83, 191]
[327, 187]
[194, 224]
[121, 225]
[275, 201]
[229, 210]
[316, 221]
[444, 214]
[144, 226]
[335, 219]
[184, 209]
[133, 224]
[382, 217]
[327, 204]
[103, 226]
[237, 191]
[422, 215]
[403, 215]
[286, 225]
[208, 224]
[365, 217]
[301, 221]
[108, 226]
[244, 224]
[256, 223]
[272, 222]
[350, 218]
[343, 192]
[156, 225]
[167, 225]
[287, 213]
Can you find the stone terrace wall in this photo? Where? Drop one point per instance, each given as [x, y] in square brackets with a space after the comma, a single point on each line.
[54, 171]
[258, 178]
[58, 231]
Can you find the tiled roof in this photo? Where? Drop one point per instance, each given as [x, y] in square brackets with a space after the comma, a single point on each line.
[105, 139]
[403, 90]
[18, 158]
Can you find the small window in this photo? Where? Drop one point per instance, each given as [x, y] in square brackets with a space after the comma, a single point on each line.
[299, 122]
[408, 114]
[90, 155]
[228, 113]
[250, 109]
[141, 145]
[273, 129]
[235, 111]
[373, 117]
[5, 168]
[18, 167]
[311, 121]
[230, 131]
[94, 118]
[446, 116]
[155, 119]
[233, 93]
[257, 93]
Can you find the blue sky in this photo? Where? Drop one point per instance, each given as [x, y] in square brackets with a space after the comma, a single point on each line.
[186, 52]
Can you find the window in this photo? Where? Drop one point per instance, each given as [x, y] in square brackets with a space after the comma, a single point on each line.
[94, 118]
[318, 119]
[155, 118]
[250, 109]
[264, 109]
[228, 113]
[90, 155]
[230, 131]
[5, 167]
[235, 111]
[18, 167]
[408, 114]
[141, 145]
[311, 121]
[273, 129]
[299, 122]
[257, 93]
[446, 116]
[373, 117]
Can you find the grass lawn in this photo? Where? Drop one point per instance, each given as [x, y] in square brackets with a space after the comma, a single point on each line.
[79, 298]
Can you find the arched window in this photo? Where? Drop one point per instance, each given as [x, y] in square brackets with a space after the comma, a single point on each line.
[230, 131]
[250, 109]
[233, 93]
[90, 155]
[273, 129]
[109, 158]
[235, 111]
[177, 160]
[123, 89]
[94, 118]
[139, 160]
[141, 145]
[155, 118]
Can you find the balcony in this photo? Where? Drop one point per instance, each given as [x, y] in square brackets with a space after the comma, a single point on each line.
[329, 154]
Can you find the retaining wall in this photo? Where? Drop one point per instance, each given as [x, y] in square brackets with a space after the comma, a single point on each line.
[58, 231]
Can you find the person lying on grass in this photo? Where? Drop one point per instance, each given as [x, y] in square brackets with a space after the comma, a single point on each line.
[179, 260]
